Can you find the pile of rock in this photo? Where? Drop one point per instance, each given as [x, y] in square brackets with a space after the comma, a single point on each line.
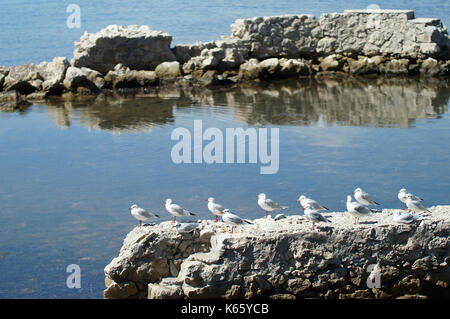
[357, 42]
[284, 259]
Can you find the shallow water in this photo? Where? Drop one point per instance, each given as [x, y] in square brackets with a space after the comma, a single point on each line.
[71, 169]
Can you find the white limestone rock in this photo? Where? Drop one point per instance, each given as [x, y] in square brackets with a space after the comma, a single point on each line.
[136, 47]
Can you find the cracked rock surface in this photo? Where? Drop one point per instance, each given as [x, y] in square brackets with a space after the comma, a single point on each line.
[285, 259]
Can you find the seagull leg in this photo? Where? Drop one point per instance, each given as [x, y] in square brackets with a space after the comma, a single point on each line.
[140, 223]
[174, 219]
[267, 213]
[312, 226]
[232, 228]
[217, 219]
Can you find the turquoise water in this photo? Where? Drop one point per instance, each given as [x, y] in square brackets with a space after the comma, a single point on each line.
[35, 31]
[70, 170]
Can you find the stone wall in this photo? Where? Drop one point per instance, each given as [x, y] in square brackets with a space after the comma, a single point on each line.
[285, 259]
[393, 33]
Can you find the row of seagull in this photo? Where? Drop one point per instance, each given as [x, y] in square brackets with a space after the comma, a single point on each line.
[311, 209]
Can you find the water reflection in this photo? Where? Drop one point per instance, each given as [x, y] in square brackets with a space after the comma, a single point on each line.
[374, 102]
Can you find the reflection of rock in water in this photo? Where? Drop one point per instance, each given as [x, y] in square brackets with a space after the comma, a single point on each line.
[377, 102]
[116, 114]
[364, 101]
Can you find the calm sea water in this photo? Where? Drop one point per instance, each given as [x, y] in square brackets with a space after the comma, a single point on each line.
[71, 169]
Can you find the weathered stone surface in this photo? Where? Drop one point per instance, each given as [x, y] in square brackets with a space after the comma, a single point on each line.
[78, 78]
[19, 78]
[136, 47]
[363, 65]
[120, 291]
[284, 257]
[124, 77]
[168, 70]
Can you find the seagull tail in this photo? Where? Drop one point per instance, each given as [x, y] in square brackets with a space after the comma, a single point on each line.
[375, 210]
[376, 203]
[248, 222]
[191, 214]
[157, 216]
[326, 208]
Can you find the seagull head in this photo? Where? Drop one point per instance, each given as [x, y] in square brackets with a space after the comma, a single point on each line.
[262, 196]
[133, 207]
[226, 211]
[358, 190]
[210, 200]
[169, 201]
[303, 197]
[409, 196]
[402, 190]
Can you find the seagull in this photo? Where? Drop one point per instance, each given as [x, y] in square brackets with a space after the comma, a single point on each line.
[176, 210]
[363, 198]
[233, 220]
[404, 218]
[356, 210]
[402, 196]
[141, 214]
[215, 208]
[304, 201]
[267, 204]
[184, 228]
[414, 204]
[314, 216]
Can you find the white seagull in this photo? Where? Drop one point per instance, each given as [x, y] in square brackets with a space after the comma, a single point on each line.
[356, 210]
[267, 204]
[141, 214]
[314, 216]
[176, 210]
[184, 228]
[305, 201]
[402, 196]
[404, 218]
[414, 204]
[363, 198]
[233, 220]
[215, 208]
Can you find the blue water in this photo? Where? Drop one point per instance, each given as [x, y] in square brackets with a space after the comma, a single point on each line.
[35, 31]
[70, 170]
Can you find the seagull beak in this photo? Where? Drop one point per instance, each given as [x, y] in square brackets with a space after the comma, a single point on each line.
[297, 200]
[353, 193]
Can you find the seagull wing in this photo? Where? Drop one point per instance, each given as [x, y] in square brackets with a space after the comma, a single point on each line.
[274, 205]
[361, 209]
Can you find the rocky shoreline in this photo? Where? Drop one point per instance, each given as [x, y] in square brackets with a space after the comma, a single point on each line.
[283, 258]
[353, 43]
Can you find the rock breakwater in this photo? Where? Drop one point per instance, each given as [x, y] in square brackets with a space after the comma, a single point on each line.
[356, 42]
